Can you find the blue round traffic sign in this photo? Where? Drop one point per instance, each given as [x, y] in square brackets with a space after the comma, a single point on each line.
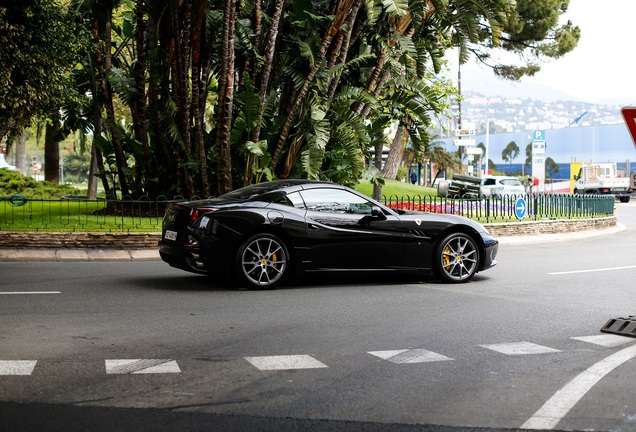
[520, 208]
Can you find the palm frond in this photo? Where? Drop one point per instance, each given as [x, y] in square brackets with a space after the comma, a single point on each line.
[396, 7]
[374, 9]
[123, 86]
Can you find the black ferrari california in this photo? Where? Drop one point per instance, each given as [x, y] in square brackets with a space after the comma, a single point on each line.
[260, 235]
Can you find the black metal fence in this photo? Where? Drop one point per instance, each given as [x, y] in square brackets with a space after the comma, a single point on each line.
[19, 213]
[489, 209]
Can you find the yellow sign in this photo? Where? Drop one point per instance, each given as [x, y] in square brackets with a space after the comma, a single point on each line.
[575, 167]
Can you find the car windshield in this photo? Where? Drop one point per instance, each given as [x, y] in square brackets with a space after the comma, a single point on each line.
[511, 182]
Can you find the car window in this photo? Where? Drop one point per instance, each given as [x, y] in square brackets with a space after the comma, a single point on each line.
[511, 182]
[295, 200]
[489, 182]
[335, 201]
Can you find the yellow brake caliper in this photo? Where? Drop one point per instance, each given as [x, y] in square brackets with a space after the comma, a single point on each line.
[446, 258]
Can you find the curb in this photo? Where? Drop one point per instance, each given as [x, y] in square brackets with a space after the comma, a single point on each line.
[71, 255]
[558, 237]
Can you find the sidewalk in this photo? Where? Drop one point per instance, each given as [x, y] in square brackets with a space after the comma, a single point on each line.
[557, 237]
[79, 254]
[152, 254]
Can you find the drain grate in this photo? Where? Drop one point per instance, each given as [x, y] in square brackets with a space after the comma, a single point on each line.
[621, 326]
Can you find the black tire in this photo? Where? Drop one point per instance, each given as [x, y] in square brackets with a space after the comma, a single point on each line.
[456, 258]
[262, 262]
[624, 199]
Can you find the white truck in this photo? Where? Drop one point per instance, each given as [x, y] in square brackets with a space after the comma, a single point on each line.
[603, 178]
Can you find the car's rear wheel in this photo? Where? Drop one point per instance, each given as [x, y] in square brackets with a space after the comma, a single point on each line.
[263, 261]
[456, 258]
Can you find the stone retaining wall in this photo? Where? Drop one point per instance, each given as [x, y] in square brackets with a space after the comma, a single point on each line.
[133, 241]
[549, 226]
[73, 240]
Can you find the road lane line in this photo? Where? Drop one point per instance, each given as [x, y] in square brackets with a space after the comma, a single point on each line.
[29, 292]
[592, 270]
[558, 406]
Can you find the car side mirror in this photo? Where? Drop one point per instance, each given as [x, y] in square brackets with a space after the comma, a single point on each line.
[377, 213]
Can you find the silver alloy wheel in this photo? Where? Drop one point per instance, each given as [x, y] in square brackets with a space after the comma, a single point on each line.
[263, 261]
[458, 258]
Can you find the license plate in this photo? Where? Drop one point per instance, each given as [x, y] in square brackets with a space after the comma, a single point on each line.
[170, 235]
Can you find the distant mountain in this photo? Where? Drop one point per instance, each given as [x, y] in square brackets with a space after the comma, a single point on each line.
[488, 84]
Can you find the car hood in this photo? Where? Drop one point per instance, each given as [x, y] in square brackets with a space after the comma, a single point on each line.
[417, 218]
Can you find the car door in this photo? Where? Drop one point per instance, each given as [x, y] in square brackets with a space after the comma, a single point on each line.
[343, 233]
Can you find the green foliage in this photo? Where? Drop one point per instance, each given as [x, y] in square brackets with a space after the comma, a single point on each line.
[402, 174]
[76, 166]
[307, 98]
[41, 41]
[532, 30]
[510, 152]
[12, 182]
[551, 167]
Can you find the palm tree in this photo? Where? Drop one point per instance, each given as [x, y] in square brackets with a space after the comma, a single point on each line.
[443, 160]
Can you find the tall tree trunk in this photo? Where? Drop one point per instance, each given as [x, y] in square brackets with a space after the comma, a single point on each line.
[257, 19]
[377, 163]
[91, 191]
[52, 149]
[340, 52]
[104, 67]
[226, 99]
[168, 158]
[139, 105]
[342, 12]
[179, 88]
[396, 153]
[20, 154]
[198, 94]
[268, 63]
[372, 84]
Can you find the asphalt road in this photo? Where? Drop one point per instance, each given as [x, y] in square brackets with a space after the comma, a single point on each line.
[141, 346]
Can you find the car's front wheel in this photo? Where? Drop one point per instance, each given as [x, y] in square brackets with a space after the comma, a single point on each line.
[263, 261]
[456, 258]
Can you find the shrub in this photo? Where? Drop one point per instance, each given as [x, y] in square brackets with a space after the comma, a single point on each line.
[12, 182]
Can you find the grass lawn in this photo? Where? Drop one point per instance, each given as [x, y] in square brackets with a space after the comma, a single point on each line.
[64, 216]
[396, 188]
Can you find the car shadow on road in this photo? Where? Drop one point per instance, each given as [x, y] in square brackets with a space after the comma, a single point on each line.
[184, 282]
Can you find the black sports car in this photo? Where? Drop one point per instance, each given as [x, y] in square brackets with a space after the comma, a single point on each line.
[261, 234]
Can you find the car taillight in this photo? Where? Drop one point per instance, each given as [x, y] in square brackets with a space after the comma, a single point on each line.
[195, 213]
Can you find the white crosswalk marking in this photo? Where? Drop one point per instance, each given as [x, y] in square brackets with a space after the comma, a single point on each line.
[285, 362]
[520, 348]
[17, 367]
[606, 340]
[141, 366]
[290, 362]
[406, 356]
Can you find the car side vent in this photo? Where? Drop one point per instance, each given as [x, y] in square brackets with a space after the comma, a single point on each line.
[418, 233]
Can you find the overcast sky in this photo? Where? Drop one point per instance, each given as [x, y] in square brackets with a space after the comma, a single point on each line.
[603, 65]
